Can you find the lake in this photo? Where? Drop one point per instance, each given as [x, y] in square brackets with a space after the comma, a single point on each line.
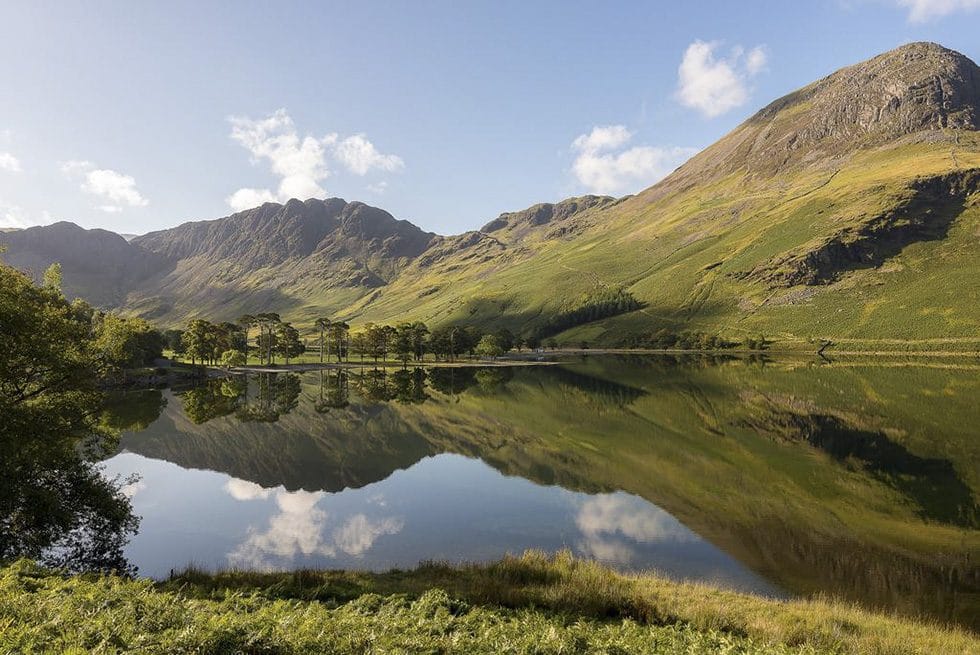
[853, 479]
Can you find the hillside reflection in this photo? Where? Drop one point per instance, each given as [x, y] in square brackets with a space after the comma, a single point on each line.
[852, 480]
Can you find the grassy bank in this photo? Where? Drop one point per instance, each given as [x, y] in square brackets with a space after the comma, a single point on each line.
[530, 604]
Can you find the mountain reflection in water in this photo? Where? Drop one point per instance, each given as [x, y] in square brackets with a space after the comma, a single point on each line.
[853, 480]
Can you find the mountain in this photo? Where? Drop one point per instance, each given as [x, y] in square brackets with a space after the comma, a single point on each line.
[97, 265]
[847, 209]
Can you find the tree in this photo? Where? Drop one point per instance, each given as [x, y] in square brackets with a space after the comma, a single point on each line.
[52, 277]
[404, 342]
[246, 321]
[341, 337]
[268, 325]
[288, 344]
[323, 325]
[230, 358]
[552, 344]
[55, 506]
[420, 333]
[505, 338]
[196, 339]
[124, 343]
[489, 346]
[172, 341]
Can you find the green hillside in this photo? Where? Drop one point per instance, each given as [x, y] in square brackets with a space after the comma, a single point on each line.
[848, 209]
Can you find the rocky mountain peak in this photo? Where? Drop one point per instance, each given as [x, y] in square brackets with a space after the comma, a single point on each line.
[917, 91]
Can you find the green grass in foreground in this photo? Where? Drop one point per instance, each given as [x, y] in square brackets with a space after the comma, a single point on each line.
[528, 604]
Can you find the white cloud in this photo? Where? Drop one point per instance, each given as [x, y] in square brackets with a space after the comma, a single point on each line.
[360, 156]
[357, 535]
[921, 11]
[18, 217]
[300, 528]
[118, 189]
[756, 60]
[14, 216]
[247, 198]
[300, 163]
[9, 163]
[714, 85]
[245, 490]
[378, 188]
[603, 138]
[601, 169]
[612, 525]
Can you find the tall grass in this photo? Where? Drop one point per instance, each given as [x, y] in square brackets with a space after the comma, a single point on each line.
[528, 604]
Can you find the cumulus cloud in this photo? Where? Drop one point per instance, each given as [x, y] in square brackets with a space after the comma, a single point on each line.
[921, 11]
[359, 156]
[300, 163]
[9, 163]
[603, 166]
[357, 535]
[300, 527]
[244, 490]
[115, 189]
[612, 525]
[714, 85]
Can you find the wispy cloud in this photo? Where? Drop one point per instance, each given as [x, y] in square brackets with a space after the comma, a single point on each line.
[116, 190]
[9, 163]
[360, 156]
[300, 163]
[17, 217]
[602, 165]
[921, 11]
[714, 85]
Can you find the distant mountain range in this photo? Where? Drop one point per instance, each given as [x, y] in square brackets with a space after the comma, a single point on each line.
[848, 208]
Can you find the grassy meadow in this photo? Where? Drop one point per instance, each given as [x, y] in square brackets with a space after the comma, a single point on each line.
[527, 604]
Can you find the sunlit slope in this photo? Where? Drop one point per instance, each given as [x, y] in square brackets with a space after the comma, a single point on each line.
[847, 209]
[709, 258]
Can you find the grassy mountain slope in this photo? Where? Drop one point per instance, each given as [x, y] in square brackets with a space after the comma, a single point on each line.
[848, 209]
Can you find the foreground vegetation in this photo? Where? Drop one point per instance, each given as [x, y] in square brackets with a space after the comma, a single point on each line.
[528, 604]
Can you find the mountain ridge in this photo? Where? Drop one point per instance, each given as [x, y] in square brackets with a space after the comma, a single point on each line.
[840, 194]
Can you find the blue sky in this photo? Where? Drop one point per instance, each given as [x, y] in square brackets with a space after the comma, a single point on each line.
[135, 116]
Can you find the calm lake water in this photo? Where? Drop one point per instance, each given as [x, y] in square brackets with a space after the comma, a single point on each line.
[850, 479]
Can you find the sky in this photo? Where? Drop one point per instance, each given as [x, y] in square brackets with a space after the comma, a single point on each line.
[138, 116]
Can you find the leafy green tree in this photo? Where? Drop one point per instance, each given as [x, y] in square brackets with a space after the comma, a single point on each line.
[124, 343]
[231, 358]
[268, 323]
[52, 277]
[288, 342]
[197, 340]
[420, 333]
[404, 342]
[489, 347]
[172, 341]
[505, 338]
[323, 325]
[55, 506]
